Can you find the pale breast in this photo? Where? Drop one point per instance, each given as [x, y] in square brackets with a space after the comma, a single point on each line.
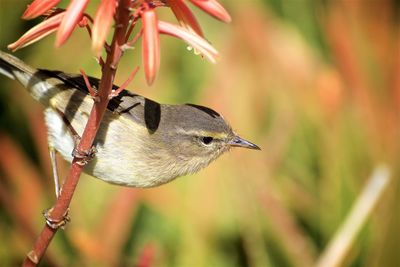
[121, 143]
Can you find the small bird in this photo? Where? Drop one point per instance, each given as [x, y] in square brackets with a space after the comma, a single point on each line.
[140, 143]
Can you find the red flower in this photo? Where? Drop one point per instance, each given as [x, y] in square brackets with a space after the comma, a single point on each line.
[194, 40]
[72, 17]
[213, 8]
[185, 16]
[66, 21]
[39, 7]
[190, 33]
[102, 24]
[38, 32]
[150, 45]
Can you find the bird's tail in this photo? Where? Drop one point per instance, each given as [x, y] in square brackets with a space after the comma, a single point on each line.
[34, 80]
[13, 68]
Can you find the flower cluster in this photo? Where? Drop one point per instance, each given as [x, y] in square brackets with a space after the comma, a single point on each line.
[64, 21]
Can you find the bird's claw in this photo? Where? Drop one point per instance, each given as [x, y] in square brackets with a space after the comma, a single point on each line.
[56, 223]
[83, 156]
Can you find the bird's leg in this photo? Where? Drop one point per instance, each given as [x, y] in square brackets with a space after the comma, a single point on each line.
[53, 161]
[51, 222]
[83, 156]
[56, 223]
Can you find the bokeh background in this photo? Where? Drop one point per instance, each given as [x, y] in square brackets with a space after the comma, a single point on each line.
[316, 84]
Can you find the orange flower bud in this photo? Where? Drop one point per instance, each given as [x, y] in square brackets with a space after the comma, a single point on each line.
[102, 24]
[72, 17]
[185, 16]
[214, 8]
[38, 32]
[194, 40]
[39, 7]
[150, 45]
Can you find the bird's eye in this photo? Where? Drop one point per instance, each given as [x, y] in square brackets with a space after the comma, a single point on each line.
[206, 140]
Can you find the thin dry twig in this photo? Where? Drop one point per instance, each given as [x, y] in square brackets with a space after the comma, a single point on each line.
[344, 238]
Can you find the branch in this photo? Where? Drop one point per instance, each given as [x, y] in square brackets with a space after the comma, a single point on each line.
[61, 207]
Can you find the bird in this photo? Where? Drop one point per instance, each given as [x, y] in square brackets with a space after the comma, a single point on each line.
[140, 143]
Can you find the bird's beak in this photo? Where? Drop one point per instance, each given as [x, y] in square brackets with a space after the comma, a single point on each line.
[240, 142]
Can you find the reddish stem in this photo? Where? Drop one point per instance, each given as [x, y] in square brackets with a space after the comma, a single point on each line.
[114, 93]
[92, 126]
[92, 92]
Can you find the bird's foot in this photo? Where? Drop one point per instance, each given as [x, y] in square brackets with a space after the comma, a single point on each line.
[83, 156]
[56, 223]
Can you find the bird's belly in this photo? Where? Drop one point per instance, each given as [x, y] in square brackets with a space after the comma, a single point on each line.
[117, 159]
[59, 136]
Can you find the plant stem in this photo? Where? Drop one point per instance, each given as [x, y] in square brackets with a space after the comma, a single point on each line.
[88, 136]
[345, 237]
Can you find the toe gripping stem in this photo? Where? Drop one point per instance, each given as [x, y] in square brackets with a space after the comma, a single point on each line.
[56, 223]
[83, 157]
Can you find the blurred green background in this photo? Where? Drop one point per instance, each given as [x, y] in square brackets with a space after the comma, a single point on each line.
[316, 84]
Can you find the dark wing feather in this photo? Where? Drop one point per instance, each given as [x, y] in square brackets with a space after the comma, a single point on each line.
[138, 108]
